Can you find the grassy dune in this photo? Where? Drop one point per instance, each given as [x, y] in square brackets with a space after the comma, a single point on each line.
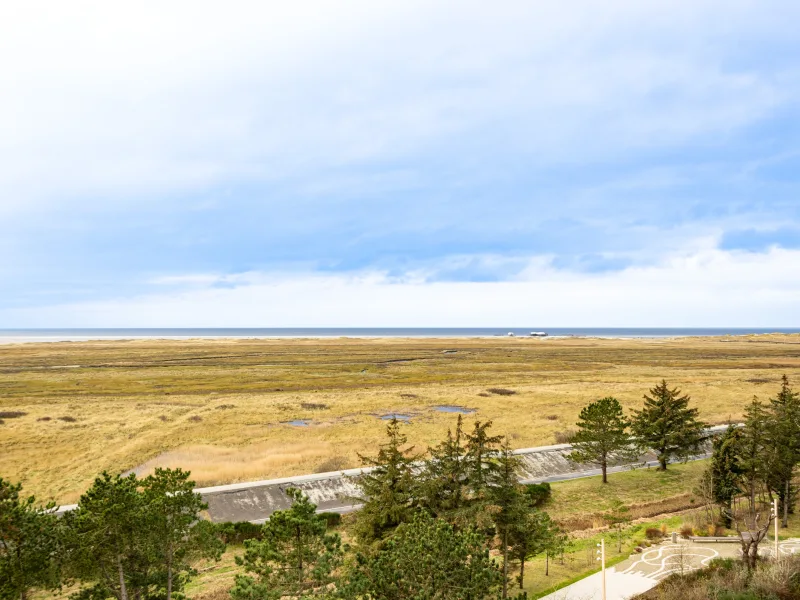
[220, 407]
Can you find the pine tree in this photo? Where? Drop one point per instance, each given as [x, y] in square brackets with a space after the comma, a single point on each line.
[28, 544]
[108, 540]
[296, 558]
[528, 537]
[667, 425]
[783, 446]
[445, 490]
[387, 490]
[426, 559]
[725, 471]
[602, 435]
[509, 505]
[481, 454]
[179, 536]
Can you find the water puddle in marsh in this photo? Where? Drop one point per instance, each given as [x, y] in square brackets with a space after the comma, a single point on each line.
[399, 417]
[298, 423]
[448, 408]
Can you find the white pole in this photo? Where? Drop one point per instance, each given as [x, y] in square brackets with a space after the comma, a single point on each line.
[602, 559]
[775, 511]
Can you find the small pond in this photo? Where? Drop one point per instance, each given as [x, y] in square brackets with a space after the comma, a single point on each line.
[448, 408]
[299, 423]
[399, 417]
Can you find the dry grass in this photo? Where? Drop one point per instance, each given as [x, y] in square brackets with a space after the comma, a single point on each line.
[117, 392]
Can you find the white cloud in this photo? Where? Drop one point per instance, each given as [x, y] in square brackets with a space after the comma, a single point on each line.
[132, 102]
[706, 288]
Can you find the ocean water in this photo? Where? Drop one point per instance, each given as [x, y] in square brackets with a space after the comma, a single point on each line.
[23, 335]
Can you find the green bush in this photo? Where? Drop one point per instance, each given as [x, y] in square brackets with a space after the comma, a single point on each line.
[538, 493]
[236, 533]
[332, 519]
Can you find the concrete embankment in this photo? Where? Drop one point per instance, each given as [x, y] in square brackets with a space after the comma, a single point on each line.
[337, 491]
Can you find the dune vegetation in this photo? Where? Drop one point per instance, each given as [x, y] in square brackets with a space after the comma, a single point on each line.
[222, 408]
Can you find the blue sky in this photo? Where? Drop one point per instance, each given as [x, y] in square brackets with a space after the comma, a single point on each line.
[400, 164]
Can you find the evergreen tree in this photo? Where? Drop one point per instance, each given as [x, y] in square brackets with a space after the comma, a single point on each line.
[28, 544]
[753, 449]
[725, 471]
[508, 504]
[426, 559]
[296, 557]
[528, 537]
[783, 447]
[107, 539]
[178, 536]
[602, 435]
[387, 490]
[481, 454]
[667, 425]
[445, 490]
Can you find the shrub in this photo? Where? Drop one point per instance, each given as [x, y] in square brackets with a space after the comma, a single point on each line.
[552, 417]
[501, 391]
[67, 419]
[11, 414]
[236, 533]
[44, 419]
[314, 405]
[225, 406]
[332, 519]
[564, 437]
[663, 529]
[409, 396]
[653, 533]
[163, 418]
[686, 531]
[538, 493]
[483, 394]
[195, 418]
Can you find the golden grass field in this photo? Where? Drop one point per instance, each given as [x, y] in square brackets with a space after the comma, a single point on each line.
[219, 407]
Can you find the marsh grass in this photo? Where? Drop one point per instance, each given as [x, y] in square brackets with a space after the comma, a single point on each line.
[115, 392]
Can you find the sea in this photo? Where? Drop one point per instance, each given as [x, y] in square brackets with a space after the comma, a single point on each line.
[53, 335]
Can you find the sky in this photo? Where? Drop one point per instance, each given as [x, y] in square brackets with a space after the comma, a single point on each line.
[399, 163]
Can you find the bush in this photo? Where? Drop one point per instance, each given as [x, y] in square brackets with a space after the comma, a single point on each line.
[44, 419]
[501, 391]
[538, 493]
[67, 419]
[195, 418]
[314, 405]
[686, 531]
[653, 533]
[332, 519]
[236, 533]
[11, 414]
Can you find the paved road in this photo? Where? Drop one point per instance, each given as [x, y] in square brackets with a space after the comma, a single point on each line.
[642, 572]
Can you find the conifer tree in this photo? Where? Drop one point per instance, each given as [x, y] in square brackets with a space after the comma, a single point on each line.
[724, 471]
[107, 539]
[426, 559]
[602, 435]
[28, 544]
[783, 446]
[509, 505]
[387, 490]
[172, 509]
[667, 425]
[445, 490]
[296, 558]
